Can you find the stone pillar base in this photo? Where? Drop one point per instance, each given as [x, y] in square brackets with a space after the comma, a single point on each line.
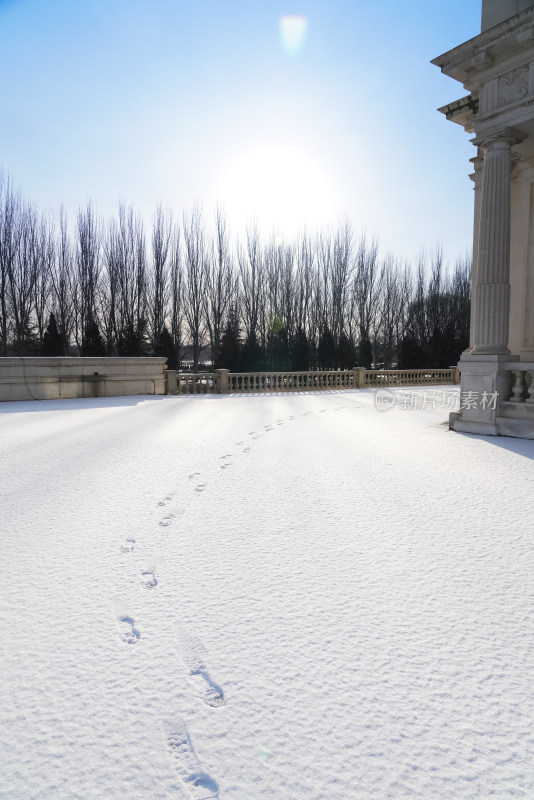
[482, 377]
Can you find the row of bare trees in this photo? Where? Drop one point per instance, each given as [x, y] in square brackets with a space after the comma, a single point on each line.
[185, 288]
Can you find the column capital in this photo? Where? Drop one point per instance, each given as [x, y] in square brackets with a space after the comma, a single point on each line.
[506, 138]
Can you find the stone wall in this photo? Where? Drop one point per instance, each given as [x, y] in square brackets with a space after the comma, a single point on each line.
[66, 377]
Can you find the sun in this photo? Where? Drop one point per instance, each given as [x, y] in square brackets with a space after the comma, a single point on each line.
[281, 188]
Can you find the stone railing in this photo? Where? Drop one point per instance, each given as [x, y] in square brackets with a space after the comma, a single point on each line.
[515, 403]
[196, 383]
[224, 382]
[521, 382]
[290, 381]
[411, 377]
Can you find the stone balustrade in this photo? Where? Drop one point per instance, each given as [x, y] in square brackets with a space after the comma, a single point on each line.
[515, 404]
[520, 385]
[197, 383]
[224, 382]
[411, 377]
[290, 381]
[72, 377]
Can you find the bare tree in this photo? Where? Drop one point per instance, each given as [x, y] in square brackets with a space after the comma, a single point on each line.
[22, 274]
[63, 279]
[195, 279]
[10, 230]
[388, 310]
[176, 292]
[220, 283]
[365, 288]
[159, 285]
[124, 298]
[88, 263]
[252, 274]
[44, 256]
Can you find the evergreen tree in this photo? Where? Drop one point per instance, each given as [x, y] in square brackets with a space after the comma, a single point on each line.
[326, 349]
[164, 347]
[252, 356]
[345, 353]
[52, 340]
[229, 355]
[277, 355]
[93, 343]
[300, 351]
[365, 353]
[131, 340]
[411, 355]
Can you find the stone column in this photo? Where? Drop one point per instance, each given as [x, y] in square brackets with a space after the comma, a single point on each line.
[492, 291]
[223, 380]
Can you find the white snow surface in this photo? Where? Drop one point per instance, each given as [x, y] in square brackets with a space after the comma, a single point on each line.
[288, 596]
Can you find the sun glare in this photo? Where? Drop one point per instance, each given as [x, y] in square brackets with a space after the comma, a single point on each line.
[293, 31]
[282, 189]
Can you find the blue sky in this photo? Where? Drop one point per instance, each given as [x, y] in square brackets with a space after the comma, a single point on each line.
[182, 102]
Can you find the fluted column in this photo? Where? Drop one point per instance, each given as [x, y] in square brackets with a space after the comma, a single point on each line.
[492, 306]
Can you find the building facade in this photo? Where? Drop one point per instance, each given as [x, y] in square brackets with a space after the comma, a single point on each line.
[497, 69]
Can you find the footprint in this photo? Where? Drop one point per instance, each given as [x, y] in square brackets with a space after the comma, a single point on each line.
[128, 546]
[210, 693]
[279, 421]
[251, 433]
[167, 520]
[307, 413]
[292, 417]
[200, 487]
[194, 475]
[268, 427]
[128, 632]
[148, 579]
[239, 443]
[165, 501]
[227, 455]
[258, 436]
[193, 654]
[246, 449]
[200, 785]
[225, 466]
[322, 410]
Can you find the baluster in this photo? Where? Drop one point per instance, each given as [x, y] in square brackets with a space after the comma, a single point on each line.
[530, 398]
[517, 389]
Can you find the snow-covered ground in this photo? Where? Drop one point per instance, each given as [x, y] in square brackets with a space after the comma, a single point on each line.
[288, 597]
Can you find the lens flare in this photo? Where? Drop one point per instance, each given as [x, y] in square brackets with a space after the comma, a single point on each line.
[293, 29]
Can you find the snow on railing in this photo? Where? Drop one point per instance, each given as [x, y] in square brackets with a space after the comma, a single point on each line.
[224, 382]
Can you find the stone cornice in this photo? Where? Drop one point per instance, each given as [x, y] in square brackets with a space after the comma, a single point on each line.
[475, 55]
[73, 361]
[462, 111]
